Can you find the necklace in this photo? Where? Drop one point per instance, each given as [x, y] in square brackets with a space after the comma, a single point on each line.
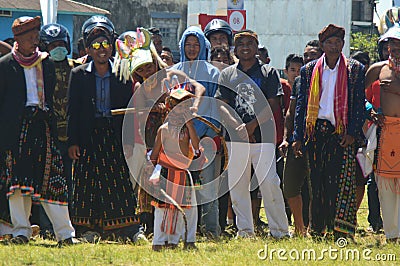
[177, 128]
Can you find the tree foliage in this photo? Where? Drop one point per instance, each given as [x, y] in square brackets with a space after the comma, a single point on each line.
[365, 42]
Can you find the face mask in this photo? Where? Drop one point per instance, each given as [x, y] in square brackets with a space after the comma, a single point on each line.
[59, 53]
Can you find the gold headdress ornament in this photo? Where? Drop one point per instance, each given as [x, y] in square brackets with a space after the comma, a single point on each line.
[133, 49]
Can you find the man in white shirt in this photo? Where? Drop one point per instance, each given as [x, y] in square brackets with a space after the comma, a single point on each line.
[31, 168]
[328, 122]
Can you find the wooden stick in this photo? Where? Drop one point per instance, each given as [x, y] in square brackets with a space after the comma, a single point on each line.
[130, 110]
[208, 123]
[218, 131]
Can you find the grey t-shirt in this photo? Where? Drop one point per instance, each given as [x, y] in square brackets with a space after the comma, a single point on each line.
[247, 93]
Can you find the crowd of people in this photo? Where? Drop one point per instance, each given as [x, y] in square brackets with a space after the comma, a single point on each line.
[127, 143]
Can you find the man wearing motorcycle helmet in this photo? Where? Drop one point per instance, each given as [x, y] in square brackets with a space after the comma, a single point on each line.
[98, 23]
[103, 202]
[55, 39]
[218, 32]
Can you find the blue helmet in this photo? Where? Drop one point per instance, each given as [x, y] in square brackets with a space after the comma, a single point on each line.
[55, 32]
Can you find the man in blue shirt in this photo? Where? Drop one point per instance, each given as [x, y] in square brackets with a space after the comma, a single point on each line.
[103, 199]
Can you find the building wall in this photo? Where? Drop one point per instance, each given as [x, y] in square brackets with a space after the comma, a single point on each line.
[169, 28]
[362, 17]
[362, 10]
[129, 14]
[6, 22]
[285, 26]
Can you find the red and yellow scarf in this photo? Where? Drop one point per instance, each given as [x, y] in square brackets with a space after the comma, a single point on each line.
[340, 100]
[176, 188]
[35, 60]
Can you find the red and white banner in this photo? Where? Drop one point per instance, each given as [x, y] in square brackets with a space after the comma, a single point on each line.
[237, 19]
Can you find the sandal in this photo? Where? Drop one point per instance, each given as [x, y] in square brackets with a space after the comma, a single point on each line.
[19, 240]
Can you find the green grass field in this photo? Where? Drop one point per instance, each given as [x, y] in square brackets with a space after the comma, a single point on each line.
[367, 249]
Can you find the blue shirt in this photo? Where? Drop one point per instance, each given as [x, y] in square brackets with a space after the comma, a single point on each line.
[103, 101]
[103, 98]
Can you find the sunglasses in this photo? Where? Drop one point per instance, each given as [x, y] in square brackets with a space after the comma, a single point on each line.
[97, 45]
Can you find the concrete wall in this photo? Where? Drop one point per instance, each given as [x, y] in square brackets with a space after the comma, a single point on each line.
[129, 14]
[285, 26]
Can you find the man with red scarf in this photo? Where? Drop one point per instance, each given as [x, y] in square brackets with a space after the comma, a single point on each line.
[31, 165]
[328, 121]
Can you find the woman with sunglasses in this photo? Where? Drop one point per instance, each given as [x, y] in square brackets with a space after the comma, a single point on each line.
[103, 203]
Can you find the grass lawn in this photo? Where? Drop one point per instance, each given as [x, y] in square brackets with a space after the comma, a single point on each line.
[367, 249]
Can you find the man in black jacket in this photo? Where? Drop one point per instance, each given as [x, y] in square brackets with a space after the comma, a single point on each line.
[103, 200]
[328, 124]
[31, 166]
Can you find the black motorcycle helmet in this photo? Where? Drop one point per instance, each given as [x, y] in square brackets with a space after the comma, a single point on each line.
[216, 25]
[55, 32]
[95, 22]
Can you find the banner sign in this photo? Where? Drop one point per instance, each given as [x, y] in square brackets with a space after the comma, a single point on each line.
[237, 19]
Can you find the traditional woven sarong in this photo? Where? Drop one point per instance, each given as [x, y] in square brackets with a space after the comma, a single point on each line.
[145, 200]
[103, 196]
[332, 171]
[145, 192]
[346, 205]
[388, 159]
[177, 183]
[153, 122]
[35, 166]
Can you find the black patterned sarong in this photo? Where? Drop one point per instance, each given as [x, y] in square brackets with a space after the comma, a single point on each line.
[35, 166]
[333, 182]
[103, 195]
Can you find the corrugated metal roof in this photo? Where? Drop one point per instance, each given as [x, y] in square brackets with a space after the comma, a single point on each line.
[64, 7]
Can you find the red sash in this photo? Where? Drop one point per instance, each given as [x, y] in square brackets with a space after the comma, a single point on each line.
[176, 187]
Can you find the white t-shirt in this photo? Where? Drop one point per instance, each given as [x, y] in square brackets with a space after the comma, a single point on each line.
[326, 102]
[32, 98]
